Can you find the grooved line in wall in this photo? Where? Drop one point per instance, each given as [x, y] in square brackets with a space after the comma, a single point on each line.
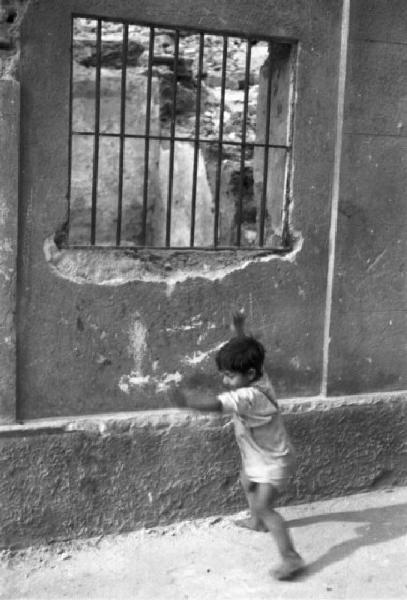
[335, 190]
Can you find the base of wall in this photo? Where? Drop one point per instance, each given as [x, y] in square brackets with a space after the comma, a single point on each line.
[80, 477]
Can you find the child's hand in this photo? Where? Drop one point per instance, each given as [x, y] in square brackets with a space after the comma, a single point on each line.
[239, 319]
[177, 396]
[202, 381]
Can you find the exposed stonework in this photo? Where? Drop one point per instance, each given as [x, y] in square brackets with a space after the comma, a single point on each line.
[118, 267]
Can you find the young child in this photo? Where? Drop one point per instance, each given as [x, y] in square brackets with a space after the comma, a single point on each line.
[267, 454]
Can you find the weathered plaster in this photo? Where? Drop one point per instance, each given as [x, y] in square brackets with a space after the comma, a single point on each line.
[118, 267]
[12, 13]
[9, 149]
[138, 349]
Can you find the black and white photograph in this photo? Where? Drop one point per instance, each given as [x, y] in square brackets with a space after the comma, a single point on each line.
[203, 299]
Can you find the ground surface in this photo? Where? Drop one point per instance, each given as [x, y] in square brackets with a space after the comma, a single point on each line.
[355, 547]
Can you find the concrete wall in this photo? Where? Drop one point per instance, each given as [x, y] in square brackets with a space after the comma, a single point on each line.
[104, 331]
[89, 476]
[368, 326]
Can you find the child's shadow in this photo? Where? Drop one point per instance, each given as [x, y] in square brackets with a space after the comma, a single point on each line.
[377, 525]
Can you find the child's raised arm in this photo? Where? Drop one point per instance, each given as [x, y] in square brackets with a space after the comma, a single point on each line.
[238, 319]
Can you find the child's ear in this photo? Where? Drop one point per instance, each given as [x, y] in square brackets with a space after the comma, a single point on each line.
[252, 374]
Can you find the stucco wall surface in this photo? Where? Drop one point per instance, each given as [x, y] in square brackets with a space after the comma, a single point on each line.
[9, 148]
[89, 476]
[107, 335]
[368, 350]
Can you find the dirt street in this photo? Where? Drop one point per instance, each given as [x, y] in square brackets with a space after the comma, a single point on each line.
[355, 547]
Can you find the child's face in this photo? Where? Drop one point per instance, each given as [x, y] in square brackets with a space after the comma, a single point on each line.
[234, 379]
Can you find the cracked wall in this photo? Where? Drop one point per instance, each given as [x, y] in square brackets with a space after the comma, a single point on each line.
[80, 310]
[285, 294]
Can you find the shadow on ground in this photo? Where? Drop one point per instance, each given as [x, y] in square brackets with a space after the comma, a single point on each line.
[377, 525]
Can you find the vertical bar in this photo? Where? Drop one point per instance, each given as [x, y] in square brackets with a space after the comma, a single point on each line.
[287, 193]
[147, 135]
[289, 141]
[197, 134]
[220, 142]
[70, 133]
[266, 154]
[243, 148]
[172, 142]
[96, 133]
[125, 46]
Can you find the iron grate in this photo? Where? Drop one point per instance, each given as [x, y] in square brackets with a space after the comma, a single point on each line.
[243, 169]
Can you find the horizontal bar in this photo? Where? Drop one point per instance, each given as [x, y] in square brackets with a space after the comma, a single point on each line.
[262, 249]
[194, 30]
[164, 138]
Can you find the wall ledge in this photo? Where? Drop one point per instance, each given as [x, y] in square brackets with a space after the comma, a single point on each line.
[106, 423]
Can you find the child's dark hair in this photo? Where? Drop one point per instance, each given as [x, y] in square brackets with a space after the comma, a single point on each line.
[240, 354]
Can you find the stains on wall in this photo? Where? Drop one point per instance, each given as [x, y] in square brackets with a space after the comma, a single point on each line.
[88, 351]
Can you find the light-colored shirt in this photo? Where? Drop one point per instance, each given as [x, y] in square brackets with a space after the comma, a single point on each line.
[267, 453]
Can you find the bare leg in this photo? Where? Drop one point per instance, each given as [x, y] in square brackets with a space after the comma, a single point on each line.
[263, 499]
[253, 522]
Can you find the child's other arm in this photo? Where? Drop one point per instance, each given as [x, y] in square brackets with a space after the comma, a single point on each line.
[198, 399]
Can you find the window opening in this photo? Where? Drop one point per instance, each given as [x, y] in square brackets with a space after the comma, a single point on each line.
[178, 139]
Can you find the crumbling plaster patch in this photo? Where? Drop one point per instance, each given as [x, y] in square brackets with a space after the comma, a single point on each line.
[12, 13]
[114, 267]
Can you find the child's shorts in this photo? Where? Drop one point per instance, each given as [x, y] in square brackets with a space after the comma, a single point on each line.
[281, 484]
[278, 475]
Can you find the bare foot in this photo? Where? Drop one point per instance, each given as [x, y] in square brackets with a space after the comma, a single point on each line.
[251, 523]
[288, 568]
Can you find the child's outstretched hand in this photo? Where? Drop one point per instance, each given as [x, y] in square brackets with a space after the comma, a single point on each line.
[239, 318]
[177, 396]
[193, 397]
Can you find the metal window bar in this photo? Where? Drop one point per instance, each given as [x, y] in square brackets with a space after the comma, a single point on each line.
[220, 143]
[288, 156]
[125, 46]
[172, 141]
[167, 138]
[243, 148]
[196, 139]
[266, 153]
[147, 135]
[69, 191]
[95, 173]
